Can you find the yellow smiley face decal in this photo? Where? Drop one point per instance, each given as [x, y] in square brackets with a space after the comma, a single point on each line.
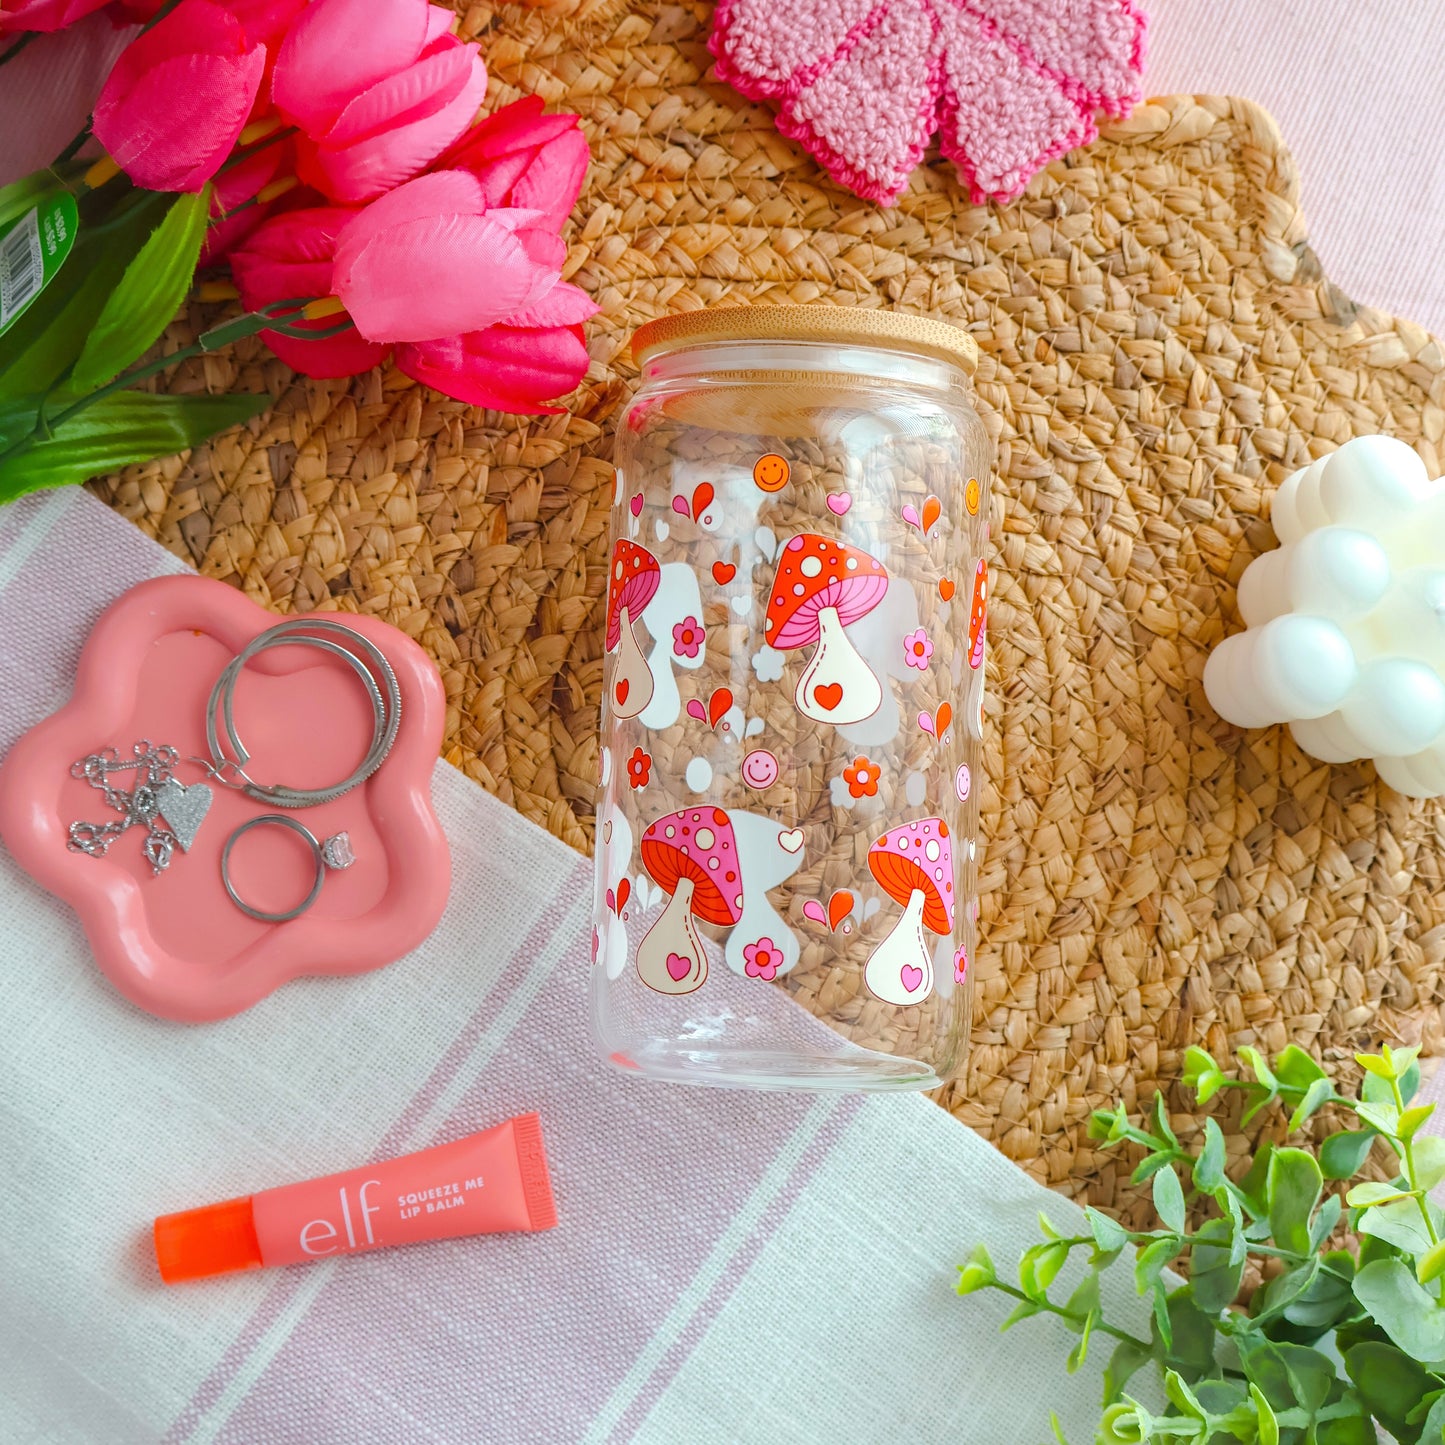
[971, 496]
[771, 472]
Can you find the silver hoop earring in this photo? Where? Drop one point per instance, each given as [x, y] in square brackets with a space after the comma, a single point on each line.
[376, 675]
[334, 852]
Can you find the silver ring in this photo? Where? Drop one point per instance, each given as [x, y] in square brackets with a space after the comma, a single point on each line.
[335, 852]
[365, 659]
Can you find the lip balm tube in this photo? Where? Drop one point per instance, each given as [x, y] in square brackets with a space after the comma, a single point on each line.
[488, 1183]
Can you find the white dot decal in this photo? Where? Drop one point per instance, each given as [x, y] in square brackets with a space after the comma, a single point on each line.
[810, 566]
[670, 831]
[698, 776]
[706, 837]
[619, 569]
[931, 851]
[798, 589]
[852, 564]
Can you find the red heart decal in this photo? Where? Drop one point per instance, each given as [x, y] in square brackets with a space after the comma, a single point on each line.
[611, 901]
[828, 695]
[678, 967]
[701, 496]
[932, 511]
[840, 905]
[946, 588]
[622, 689]
[624, 892]
[719, 702]
[941, 720]
[723, 573]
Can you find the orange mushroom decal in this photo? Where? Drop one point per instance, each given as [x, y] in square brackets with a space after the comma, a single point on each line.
[693, 855]
[633, 583]
[977, 614]
[913, 864]
[820, 588]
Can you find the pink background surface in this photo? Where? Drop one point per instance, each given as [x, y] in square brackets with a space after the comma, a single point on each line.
[1354, 84]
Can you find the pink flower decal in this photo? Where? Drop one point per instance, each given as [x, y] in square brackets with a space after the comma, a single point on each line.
[863, 84]
[917, 649]
[762, 959]
[960, 964]
[687, 637]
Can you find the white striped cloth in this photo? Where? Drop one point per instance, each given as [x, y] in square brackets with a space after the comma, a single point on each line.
[728, 1266]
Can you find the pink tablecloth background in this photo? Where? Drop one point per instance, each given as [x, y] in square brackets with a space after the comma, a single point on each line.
[1355, 85]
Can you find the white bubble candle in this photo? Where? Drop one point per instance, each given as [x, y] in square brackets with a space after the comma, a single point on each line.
[1345, 620]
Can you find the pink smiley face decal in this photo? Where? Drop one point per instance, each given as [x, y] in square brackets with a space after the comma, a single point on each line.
[962, 782]
[760, 769]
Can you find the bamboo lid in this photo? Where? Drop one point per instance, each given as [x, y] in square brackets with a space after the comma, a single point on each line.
[845, 326]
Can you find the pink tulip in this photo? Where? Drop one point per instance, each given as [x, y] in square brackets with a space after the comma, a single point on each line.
[378, 90]
[429, 259]
[288, 257]
[524, 158]
[179, 96]
[44, 14]
[515, 367]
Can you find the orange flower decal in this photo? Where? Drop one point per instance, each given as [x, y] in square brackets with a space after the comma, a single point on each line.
[862, 778]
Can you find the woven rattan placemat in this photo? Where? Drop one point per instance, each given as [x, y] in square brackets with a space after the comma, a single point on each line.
[1159, 350]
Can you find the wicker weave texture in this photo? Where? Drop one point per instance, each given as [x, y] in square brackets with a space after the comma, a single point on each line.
[1158, 350]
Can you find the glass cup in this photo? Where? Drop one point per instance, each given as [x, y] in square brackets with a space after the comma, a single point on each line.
[793, 689]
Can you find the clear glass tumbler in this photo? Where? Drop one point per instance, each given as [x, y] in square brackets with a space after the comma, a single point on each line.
[793, 687]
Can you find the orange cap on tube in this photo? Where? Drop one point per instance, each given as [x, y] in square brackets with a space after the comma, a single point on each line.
[214, 1240]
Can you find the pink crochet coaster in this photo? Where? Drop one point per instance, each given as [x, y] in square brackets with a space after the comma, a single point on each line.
[864, 84]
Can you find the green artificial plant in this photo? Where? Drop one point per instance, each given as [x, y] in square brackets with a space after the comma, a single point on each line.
[1341, 1342]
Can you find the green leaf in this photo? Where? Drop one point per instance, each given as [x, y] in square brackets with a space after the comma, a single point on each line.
[1374, 1064]
[1109, 1235]
[1163, 1326]
[1390, 1383]
[1080, 1352]
[1084, 1301]
[1382, 1117]
[1208, 1171]
[1325, 1220]
[1039, 1267]
[1429, 1152]
[1162, 1127]
[48, 337]
[1258, 1067]
[1287, 1374]
[1377, 1090]
[1023, 1310]
[1151, 1262]
[1209, 1085]
[1343, 1154]
[978, 1273]
[1371, 1191]
[1399, 1304]
[1128, 1359]
[1191, 1335]
[1197, 1062]
[1431, 1264]
[1267, 1425]
[1183, 1398]
[1412, 1118]
[1169, 1200]
[1433, 1428]
[1293, 1189]
[1251, 1189]
[1323, 1303]
[1316, 1097]
[1213, 1273]
[149, 293]
[1296, 1068]
[1400, 1224]
[23, 195]
[126, 427]
[1151, 1164]
[1057, 1428]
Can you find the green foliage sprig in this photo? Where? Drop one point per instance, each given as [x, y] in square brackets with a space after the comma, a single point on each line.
[1333, 1342]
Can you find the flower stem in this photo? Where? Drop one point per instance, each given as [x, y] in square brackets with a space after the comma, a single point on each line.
[10, 52]
[1073, 1316]
[69, 152]
[1407, 1152]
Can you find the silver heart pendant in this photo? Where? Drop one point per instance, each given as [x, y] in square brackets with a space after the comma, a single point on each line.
[184, 809]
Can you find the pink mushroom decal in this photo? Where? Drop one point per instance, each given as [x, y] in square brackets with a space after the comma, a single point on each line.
[693, 855]
[633, 583]
[821, 587]
[913, 864]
